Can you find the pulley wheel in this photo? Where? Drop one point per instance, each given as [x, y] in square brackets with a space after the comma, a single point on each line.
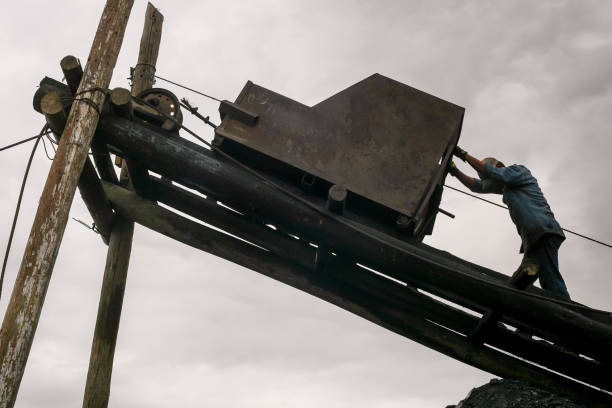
[167, 103]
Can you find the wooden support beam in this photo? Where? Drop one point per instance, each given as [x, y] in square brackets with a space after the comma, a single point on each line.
[73, 72]
[540, 353]
[385, 306]
[567, 324]
[97, 388]
[71, 67]
[89, 183]
[144, 71]
[23, 311]
[210, 212]
[102, 159]
[55, 115]
[139, 176]
[525, 275]
[121, 102]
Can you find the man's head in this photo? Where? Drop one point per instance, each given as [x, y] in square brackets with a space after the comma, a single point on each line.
[493, 162]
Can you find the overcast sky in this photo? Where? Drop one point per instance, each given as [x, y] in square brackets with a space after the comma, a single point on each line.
[534, 78]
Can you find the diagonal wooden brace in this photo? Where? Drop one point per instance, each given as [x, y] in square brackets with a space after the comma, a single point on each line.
[89, 183]
[524, 276]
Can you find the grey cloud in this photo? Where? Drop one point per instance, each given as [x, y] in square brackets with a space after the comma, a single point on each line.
[197, 330]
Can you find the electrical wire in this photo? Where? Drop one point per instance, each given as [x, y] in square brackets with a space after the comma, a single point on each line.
[23, 141]
[504, 207]
[45, 147]
[23, 183]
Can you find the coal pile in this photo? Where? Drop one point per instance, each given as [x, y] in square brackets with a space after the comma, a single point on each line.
[512, 394]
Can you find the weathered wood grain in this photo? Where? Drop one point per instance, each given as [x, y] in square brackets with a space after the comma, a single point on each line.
[23, 311]
[539, 352]
[360, 292]
[73, 72]
[144, 71]
[97, 387]
[427, 269]
[209, 211]
[89, 183]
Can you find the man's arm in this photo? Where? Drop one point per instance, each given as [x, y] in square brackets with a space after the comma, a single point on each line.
[471, 183]
[512, 176]
[471, 160]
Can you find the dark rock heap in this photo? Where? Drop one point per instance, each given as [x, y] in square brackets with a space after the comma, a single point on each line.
[512, 394]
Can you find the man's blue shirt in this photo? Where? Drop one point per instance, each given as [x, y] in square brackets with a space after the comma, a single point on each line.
[521, 193]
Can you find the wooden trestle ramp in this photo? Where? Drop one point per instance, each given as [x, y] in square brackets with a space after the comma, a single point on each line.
[424, 294]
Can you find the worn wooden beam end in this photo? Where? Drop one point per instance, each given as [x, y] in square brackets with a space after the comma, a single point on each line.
[55, 115]
[97, 390]
[121, 101]
[73, 72]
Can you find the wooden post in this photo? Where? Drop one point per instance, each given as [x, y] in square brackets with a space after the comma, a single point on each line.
[97, 387]
[71, 67]
[144, 71]
[23, 311]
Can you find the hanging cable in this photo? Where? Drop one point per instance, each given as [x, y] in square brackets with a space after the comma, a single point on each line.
[45, 147]
[23, 183]
[23, 141]
[504, 207]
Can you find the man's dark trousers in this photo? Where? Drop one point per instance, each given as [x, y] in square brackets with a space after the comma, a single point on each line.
[545, 254]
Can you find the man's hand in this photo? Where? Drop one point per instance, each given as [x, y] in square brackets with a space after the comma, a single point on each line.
[452, 169]
[460, 153]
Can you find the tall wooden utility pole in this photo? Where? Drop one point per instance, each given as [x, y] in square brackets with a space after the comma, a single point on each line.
[97, 388]
[23, 311]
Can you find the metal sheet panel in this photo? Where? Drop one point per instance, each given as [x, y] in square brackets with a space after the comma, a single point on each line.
[380, 138]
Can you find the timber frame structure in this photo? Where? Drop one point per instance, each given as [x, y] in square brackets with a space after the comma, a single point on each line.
[570, 355]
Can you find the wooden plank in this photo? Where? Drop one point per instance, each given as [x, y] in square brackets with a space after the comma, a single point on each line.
[348, 291]
[430, 270]
[209, 211]
[23, 311]
[97, 388]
